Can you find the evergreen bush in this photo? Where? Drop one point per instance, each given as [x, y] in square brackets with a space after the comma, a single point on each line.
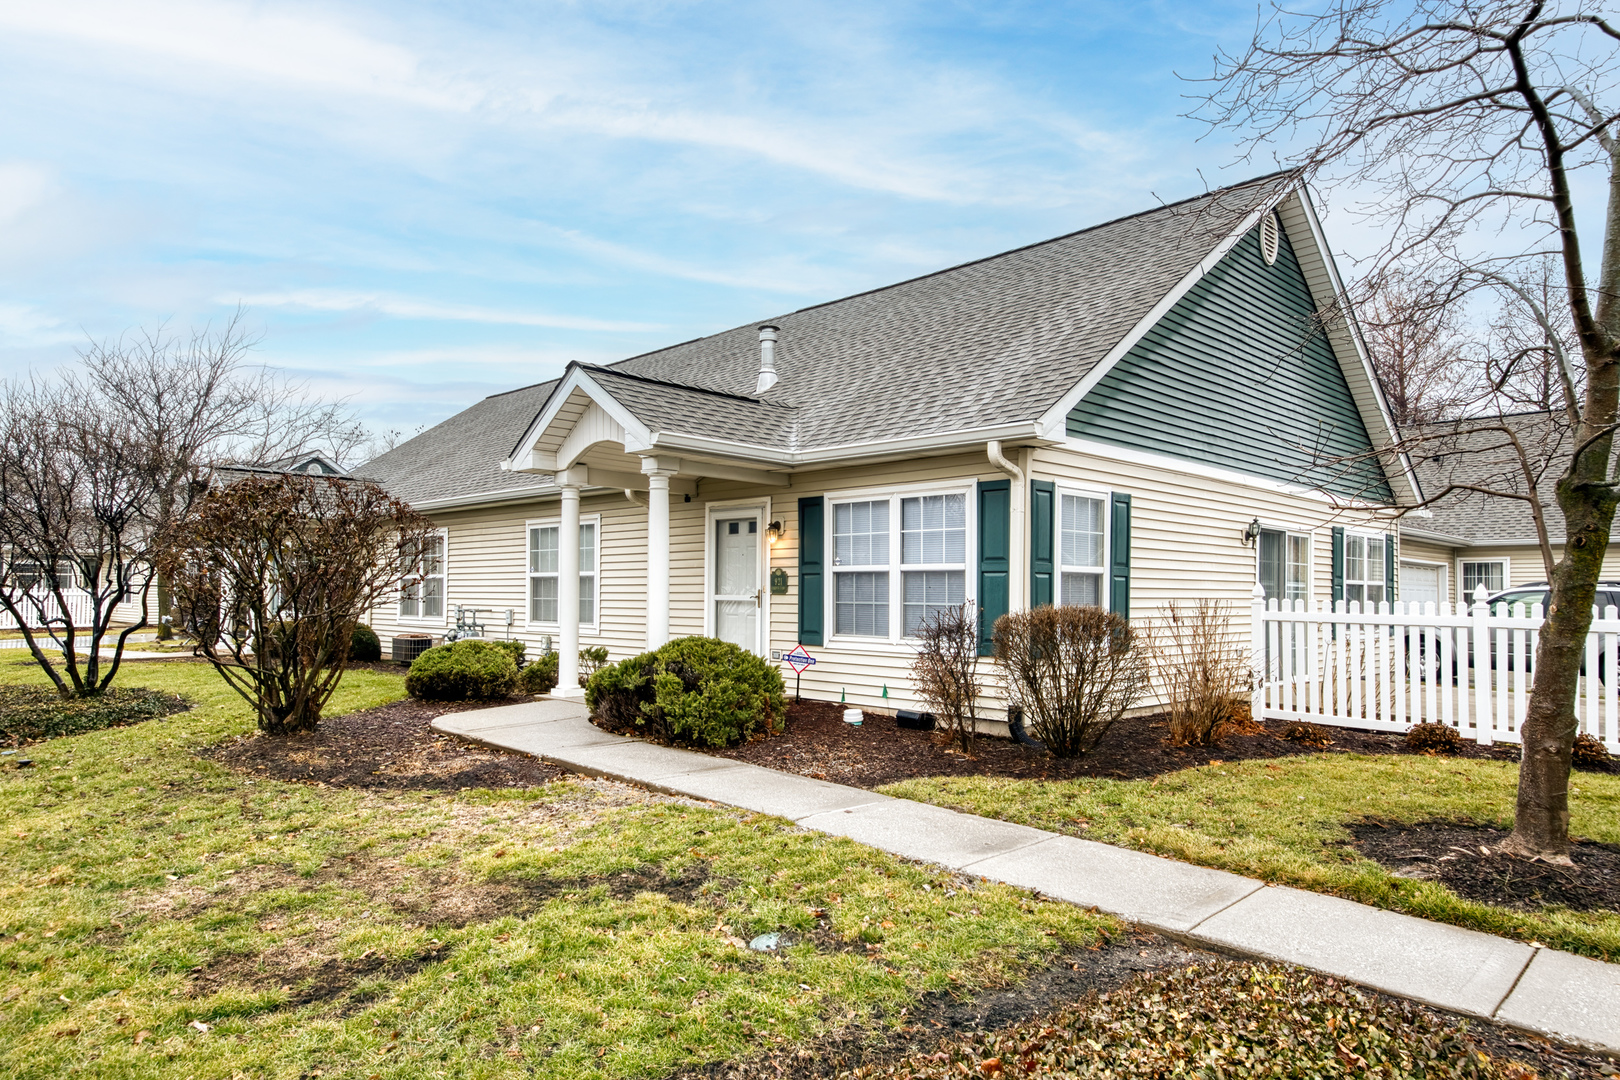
[364, 645]
[696, 690]
[539, 677]
[470, 670]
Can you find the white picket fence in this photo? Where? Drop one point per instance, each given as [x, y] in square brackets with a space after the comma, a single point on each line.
[1395, 665]
[46, 610]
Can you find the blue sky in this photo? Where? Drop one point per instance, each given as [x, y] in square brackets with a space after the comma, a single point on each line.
[421, 204]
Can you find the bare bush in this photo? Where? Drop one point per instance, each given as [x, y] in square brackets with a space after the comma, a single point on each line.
[1072, 670]
[1203, 670]
[271, 573]
[947, 670]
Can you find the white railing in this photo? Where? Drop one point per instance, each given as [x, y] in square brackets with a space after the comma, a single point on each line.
[43, 609]
[1395, 665]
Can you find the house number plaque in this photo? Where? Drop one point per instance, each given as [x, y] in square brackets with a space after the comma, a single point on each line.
[778, 582]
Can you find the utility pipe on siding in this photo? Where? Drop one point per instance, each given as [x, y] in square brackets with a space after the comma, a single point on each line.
[1018, 534]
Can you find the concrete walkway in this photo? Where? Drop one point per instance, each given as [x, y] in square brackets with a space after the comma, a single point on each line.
[1570, 998]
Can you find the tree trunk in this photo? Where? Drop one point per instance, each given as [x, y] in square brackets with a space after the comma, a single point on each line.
[289, 720]
[1541, 819]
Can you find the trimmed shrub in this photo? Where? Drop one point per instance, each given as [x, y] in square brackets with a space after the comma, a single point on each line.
[364, 645]
[590, 662]
[539, 677]
[696, 689]
[1072, 670]
[514, 648]
[1434, 739]
[469, 670]
[1589, 753]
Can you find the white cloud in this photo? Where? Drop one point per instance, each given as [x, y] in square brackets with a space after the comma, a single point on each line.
[26, 325]
[23, 186]
[407, 308]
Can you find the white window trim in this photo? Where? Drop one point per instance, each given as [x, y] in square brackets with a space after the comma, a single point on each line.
[897, 612]
[1292, 532]
[1105, 571]
[738, 508]
[443, 619]
[1507, 576]
[1383, 538]
[593, 629]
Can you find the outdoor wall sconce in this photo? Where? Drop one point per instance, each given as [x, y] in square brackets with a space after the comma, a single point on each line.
[1251, 532]
[773, 531]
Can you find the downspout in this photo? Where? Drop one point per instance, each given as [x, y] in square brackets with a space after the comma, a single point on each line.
[1018, 534]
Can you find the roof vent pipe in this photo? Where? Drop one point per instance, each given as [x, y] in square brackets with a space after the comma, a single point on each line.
[767, 359]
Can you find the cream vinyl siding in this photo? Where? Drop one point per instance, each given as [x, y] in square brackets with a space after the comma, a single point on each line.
[1186, 543]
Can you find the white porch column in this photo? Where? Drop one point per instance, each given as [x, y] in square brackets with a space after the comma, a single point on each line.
[568, 583]
[658, 471]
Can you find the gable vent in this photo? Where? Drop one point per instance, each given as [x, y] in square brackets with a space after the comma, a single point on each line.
[1270, 237]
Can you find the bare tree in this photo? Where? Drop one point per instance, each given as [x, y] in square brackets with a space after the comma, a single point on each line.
[1466, 127]
[94, 464]
[76, 508]
[1416, 346]
[272, 572]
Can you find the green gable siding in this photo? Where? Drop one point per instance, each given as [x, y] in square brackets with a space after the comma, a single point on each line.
[1237, 375]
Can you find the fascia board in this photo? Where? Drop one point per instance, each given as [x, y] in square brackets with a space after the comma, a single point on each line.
[694, 446]
[1053, 423]
[1383, 421]
[577, 379]
[485, 498]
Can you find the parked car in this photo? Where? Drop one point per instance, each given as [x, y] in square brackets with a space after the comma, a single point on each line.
[1608, 595]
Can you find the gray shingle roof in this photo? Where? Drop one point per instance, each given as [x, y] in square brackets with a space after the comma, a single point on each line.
[1457, 452]
[462, 456]
[986, 343]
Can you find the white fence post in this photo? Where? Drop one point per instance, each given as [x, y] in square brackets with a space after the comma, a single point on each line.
[1257, 636]
[1483, 668]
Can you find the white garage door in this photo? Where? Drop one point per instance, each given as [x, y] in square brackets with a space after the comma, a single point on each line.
[1419, 584]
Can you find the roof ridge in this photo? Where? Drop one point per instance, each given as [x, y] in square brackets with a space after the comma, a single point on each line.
[958, 266]
[1050, 240]
[607, 370]
[519, 390]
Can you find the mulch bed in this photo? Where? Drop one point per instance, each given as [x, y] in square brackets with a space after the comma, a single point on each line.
[819, 744]
[1463, 857]
[390, 747]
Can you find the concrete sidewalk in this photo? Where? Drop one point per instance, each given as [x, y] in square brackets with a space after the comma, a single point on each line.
[1567, 997]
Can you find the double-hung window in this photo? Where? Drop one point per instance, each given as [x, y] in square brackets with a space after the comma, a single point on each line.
[1082, 524]
[1491, 573]
[898, 561]
[1364, 569]
[423, 597]
[933, 556]
[861, 557]
[543, 565]
[1285, 564]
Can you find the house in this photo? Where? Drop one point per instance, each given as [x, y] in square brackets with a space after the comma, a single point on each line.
[1142, 411]
[1471, 538]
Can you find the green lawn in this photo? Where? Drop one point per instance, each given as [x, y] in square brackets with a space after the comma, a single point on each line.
[163, 917]
[1284, 820]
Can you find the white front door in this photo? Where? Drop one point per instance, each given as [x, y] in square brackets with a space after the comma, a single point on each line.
[737, 586]
[1420, 584]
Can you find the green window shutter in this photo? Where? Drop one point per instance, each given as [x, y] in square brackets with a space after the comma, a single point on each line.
[1389, 567]
[1042, 494]
[1338, 563]
[995, 550]
[1119, 555]
[812, 563]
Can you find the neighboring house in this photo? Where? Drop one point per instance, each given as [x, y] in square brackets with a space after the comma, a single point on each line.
[1473, 539]
[1134, 413]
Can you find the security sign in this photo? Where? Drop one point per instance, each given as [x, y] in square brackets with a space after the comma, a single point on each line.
[798, 659]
